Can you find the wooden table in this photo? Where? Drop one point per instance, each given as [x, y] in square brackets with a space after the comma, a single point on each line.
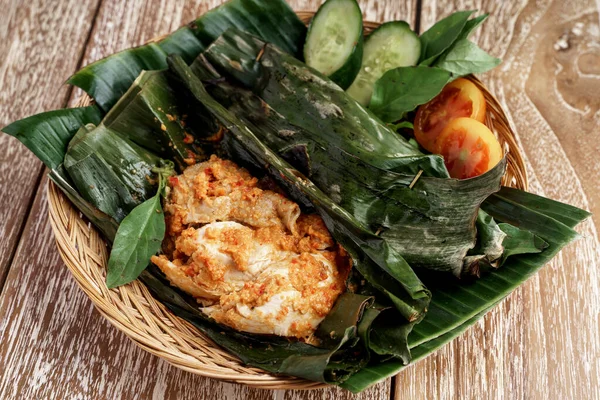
[543, 342]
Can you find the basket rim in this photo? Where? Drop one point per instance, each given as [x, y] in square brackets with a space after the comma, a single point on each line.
[147, 322]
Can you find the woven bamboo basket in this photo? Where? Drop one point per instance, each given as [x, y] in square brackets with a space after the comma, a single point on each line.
[150, 325]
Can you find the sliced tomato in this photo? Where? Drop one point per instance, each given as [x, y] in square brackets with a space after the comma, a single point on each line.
[469, 148]
[459, 98]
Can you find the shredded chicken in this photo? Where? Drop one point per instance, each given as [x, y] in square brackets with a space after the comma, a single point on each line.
[248, 255]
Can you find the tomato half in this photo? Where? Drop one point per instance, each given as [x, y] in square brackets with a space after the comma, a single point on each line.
[469, 148]
[459, 98]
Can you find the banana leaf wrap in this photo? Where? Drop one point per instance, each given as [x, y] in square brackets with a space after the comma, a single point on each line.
[455, 306]
[150, 115]
[354, 158]
[112, 173]
[383, 271]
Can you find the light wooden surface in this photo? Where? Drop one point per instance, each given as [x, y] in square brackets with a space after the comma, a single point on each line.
[543, 342]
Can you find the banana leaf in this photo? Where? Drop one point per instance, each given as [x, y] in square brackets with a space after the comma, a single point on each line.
[47, 134]
[385, 271]
[453, 304]
[456, 307]
[272, 20]
[353, 157]
[183, 42]
[152, 115]
[110, 172]
[374, 373]
[106, 80]
[328, 115]
[569, 215]
[107, 225]
[379, 198]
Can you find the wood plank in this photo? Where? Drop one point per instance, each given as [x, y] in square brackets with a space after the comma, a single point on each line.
[542, 342]
[55, 344]
[32, 70]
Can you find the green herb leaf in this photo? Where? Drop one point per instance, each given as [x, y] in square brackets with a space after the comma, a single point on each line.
[402, 89]
[402, 125]
[48, 134]
[465, 58]
[471, 25]
[138, 238]
[440, 36]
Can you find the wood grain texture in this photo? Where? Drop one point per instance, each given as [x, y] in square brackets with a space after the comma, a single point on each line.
[55, 345]
[543, 341]
[32, 70]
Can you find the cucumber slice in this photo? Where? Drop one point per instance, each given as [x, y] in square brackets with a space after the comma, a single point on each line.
[390, 46]
[334, 43]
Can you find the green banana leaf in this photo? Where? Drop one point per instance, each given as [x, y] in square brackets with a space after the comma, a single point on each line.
[110, 172]
[387, 274]
[152, 115]
[47, 134]
[377, 198]
[569, 215]
[352, 156]
[456, 307]
[454, 304]
[374, 373]
[107, 225]
[272, 20]
[183, 42]
[106, 80]
[328, 114]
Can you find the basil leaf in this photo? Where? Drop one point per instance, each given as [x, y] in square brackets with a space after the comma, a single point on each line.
[440, 36]
[465, 58]
[471, 25]
[402, 125]
[138, 238]
[402, 89]
[520, 241]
